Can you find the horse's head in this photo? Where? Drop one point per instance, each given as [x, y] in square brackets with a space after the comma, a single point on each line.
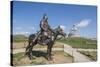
[60, 31]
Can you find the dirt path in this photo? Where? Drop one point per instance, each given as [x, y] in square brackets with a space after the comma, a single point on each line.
[23, 49]
[54, 49]
[59, 58]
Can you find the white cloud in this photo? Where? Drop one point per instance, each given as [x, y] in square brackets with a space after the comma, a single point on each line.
[23, 33]
[84, 23]
[21, 28]
[63, 27]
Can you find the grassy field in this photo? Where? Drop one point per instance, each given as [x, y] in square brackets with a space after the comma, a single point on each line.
[92, 55]
[80, 43]
[38, 59]
[76, 42]
[18, 41]
[18, 38]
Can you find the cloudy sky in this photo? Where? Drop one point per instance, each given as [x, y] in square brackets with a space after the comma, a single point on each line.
[27, 16]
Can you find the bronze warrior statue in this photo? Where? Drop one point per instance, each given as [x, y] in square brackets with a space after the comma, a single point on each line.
[46, 36]
[46, 31]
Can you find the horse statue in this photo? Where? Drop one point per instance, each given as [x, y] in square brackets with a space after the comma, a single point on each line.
[49, 42]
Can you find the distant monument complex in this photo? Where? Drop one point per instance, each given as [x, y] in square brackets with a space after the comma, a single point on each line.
[74, 32]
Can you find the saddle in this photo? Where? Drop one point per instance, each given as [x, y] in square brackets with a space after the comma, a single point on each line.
[44, 38]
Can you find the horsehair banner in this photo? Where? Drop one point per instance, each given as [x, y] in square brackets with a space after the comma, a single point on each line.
[52, 33]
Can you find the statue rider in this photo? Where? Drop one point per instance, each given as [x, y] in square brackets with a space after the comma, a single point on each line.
[46, 31]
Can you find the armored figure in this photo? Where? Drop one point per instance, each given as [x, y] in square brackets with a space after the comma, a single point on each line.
[46, 31]
[44, 23]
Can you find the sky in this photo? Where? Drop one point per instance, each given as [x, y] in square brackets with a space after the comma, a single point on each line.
[27, 17]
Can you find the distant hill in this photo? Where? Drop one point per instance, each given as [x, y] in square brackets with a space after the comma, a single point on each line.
[79, 42]
[18, 38]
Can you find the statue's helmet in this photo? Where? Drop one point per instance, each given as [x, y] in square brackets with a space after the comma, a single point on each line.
[45, 16]
[74, 25]
[59, 26]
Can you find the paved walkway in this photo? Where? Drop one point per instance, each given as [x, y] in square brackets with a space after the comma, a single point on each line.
[78, 57]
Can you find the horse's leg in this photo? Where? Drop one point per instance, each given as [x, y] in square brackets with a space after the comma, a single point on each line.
[49, 49]
[30, 50]
[27, 48]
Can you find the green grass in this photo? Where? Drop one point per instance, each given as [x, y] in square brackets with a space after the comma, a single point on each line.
[38, 63]
[20, 59]
[16, 58]
[80, 43]
[19, 38]
[18, 55]
[76, 42]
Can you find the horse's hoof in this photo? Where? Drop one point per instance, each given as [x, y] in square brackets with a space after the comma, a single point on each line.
[52, 54]
[31, 58]
[26, 53]
[50, 59]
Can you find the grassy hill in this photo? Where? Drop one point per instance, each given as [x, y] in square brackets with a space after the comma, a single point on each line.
[18, 38]
[78, 42]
